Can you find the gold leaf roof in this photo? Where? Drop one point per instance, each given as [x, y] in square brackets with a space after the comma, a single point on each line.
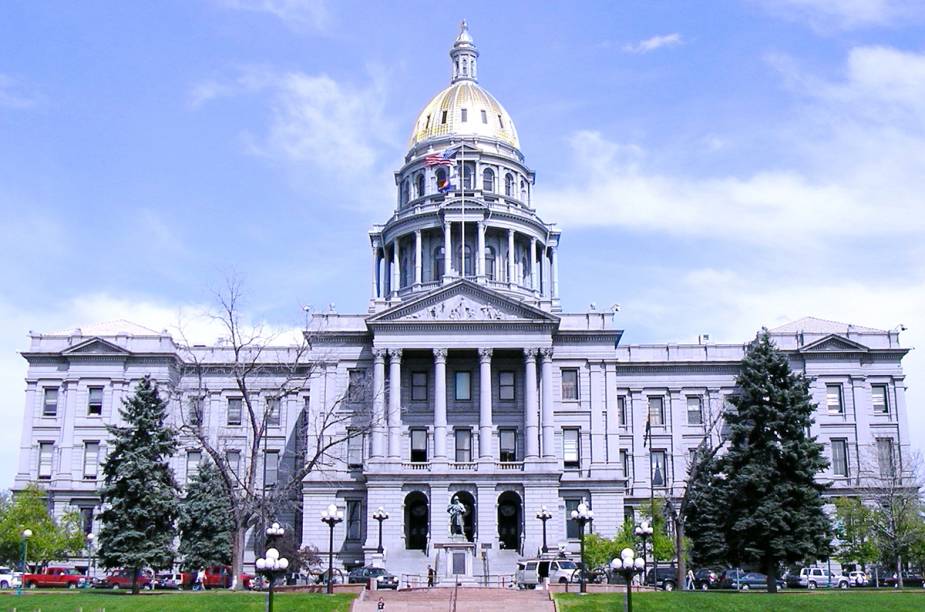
[485, 117]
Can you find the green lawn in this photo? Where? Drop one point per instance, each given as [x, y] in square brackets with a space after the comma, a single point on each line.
[819, 601]
[212, 601]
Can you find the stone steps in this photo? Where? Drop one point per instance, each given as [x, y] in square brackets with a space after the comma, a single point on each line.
[470, 599]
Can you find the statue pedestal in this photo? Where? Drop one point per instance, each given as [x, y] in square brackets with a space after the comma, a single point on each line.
[456, 559]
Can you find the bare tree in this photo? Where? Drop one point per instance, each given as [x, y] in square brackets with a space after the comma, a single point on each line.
[263, 374]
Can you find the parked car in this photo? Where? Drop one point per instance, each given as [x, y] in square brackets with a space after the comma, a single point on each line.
[817, 578]
[8, 578]
[706, 578]
[859, 579]
[54, 577]
[169, 581]
[122, 579]
[532, 572]
[362, 575]
[666, 578]
[746, 581]
[913, 579]
[217, 577]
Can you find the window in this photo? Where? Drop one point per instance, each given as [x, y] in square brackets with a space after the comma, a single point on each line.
[484, 117]
[356, 391]
[91, 459]
[438, 259]
[656, 411]
[442, 184]
[694, 411]
[45, 454]
[193, 459]
[571, 453]
[50, 405]
[500, 122]
[419, 445]
[233, 458]
[354, 520]
[691, 456]
[508, 185]
[506, 386]
[427, 123]
[95, 401]
[419, 386]
[463, 445]
[466, 255]
[625, 462]
[508, 443]
[885, 457]
[86, 519]
[464, 115]
[194, 414]
[489, 263]
[878, 395]
[629, 514]
[405, 192]
[840, 457]
[443, 118]
[419, 181]
[354, 448]
[833, 399]
[273, 413]
[621, 411]
[570, 384]
[523, 191]
[488, 180]
[270, 468]
[234, 411]
[659, 467]
[571, 526]
[463, 380]
[469, 175]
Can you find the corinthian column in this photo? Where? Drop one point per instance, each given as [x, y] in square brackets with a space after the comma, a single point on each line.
[394, 403]
[548, 409]
[481, 255]
[531, 407]
[447, 252]
[418, 260]
[440, 403]
[485, 424]
[378, 403]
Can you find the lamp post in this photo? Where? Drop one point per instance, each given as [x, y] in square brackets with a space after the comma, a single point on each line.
[380, 515]
[23, 551]
[582, 515]
[331, 516]
[544, 515]
[628, 564]
[272, 564]
[90, 539]
[644, 532]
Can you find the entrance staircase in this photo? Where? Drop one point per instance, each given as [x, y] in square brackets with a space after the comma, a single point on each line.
[471, 599]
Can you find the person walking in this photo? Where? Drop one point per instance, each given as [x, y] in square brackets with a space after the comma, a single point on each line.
[431, 575]
[690, 580]
[200, 580]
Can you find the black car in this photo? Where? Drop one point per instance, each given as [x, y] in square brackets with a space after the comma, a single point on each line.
[362, 575]
[746, 581]
[910, 579]
[706, 578]
[666, 579]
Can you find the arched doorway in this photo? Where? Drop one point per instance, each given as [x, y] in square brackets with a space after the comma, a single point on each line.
[510, 520]
[417, 521]
[469, 523]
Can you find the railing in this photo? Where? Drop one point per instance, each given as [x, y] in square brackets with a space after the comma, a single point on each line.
[416, 466]
[513, 466]
[464, 466]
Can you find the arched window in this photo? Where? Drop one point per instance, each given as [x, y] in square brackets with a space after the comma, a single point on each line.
[508, 184]
[488, 180]
[469, 270]
[465, 67]
[489, 263]
[469, 175]
[420, 184]
[438, 263]
[442, 185]
[523, 191]
[405, 192]
[405, 273]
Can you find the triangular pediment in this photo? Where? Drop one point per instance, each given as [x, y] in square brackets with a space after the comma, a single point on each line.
[463, 302]
[96, 346]
[834, 344]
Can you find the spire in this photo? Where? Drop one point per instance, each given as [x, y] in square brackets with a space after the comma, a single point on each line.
[464, 55]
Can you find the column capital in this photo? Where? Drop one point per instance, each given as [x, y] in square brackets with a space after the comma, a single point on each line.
[485, 354]
[395, 354]
[531, 353]
[546, 353]
[417, 232]
[378, 355]
[440, 355]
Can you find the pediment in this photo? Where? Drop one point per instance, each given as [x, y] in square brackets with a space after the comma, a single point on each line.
[463, 302]
[96, 346]
[834, 344]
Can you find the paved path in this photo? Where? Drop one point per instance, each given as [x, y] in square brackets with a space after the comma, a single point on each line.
[468, 599]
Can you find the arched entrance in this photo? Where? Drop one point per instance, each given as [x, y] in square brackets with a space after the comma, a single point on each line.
[417, 521]
[469, 523]
[510, 520]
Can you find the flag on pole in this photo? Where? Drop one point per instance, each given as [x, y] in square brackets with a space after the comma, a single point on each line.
[445, 185]
[441, 159]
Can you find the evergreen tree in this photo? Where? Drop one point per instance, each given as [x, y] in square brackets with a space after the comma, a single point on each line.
[205, 521]
[705, 510]
[773, 503]
[139, 492]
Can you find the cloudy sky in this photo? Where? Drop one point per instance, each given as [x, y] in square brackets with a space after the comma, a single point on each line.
[714, 166]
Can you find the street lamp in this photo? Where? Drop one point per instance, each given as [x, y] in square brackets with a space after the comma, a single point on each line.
[272, 564]
[544, 515]
[627, 564]
[380, 515]
[90, 539]
[582, 515]
[644, 532]
[23, 550]
[331, 516]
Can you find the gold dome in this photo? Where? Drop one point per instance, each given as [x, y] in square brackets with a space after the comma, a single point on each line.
[464, 109]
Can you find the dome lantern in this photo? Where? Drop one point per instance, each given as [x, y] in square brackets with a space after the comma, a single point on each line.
[464, 55]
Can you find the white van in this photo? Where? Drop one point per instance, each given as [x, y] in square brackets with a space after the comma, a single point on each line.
[531, 572]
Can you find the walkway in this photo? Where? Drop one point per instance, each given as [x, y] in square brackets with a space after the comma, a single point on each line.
[468, 599]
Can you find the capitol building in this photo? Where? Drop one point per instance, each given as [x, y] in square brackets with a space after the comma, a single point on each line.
[467, 378]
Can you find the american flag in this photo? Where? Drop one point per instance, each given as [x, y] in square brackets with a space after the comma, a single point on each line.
[440, 159]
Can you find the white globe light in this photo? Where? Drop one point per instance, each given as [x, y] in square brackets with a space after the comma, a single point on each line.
[574, 514]
[640, 563]
[261, 564]
[645, 525]
[324, 514]
[27, 533]
[627, 553]
[616, 564]
[340, 515]
[91, 537]
[283, 563]
[591, 514]
[332, 510]
[273, 554]
[275, 526]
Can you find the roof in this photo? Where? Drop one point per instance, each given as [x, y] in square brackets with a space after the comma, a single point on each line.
[485, 117]
[118, 327]
[814, 325]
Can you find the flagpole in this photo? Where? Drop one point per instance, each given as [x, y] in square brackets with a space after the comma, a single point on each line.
[648, 437]
[462, 222]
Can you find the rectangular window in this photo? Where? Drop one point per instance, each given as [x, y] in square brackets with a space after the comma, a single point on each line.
[879, 399]
[691, 457]
[463, 445]
[629, 514]
[506, 386]
[463, 380]
[354, 448]
[195, 411]
[273, 416]
[419, 386]
[508, 444]
[571, 450]
[484, 117]
[571, 526]
[659, 468]
[270, 468]
[570, 384]
[464, 115]
[500, 122]
[443, 118]
[625, 463]
[50, 404]
[95, 401]
[233, 458]
[354, 520]
[193, 459]
[86, 519]
[91, 459]
[419, 445]
[621, 411]
[885, 457]
[694, 411]
[45, 454]
[840, 457]
[234, 411]
[833, 399]
[656, 411]
[356, 391]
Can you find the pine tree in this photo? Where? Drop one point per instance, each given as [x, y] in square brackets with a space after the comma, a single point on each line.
[139, 492]
[205, 521]
[773, 503]
[705, 510]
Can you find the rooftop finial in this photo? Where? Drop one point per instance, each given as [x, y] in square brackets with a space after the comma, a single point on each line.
[464, 55]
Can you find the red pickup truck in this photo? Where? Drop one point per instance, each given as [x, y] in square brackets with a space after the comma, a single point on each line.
[122, 579]
[217, 577]
[54, 577]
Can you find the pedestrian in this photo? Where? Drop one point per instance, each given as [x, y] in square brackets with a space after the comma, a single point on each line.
[200, 580]
[690, 580]
[431, 575]
[380, 605]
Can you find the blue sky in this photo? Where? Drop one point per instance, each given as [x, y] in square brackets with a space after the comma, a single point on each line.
[714, 166]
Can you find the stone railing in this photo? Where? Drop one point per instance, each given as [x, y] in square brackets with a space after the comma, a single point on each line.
[512, 466]
[416, 466]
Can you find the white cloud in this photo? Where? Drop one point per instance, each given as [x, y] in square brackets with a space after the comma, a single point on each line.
[296, 14]
[844, 14]
[13, 94]
[656, 42]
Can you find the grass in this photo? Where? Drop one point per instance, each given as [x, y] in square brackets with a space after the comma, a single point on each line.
[818, 601]
[213, 601]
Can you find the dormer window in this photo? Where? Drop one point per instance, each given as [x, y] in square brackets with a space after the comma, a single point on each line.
[501, 122]
[443, 118]
[463, 115]
[427, 123]
[484, 117]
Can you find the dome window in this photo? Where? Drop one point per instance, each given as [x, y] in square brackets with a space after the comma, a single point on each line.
[484, 117]
[469, 175]
[443, 118]
[419, 180]
[501, 122]
[405, 192]
[464, 115]
[508, 185]
[427, 124]
[488, 180]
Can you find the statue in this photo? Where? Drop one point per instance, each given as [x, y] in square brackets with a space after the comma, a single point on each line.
[457, 510]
